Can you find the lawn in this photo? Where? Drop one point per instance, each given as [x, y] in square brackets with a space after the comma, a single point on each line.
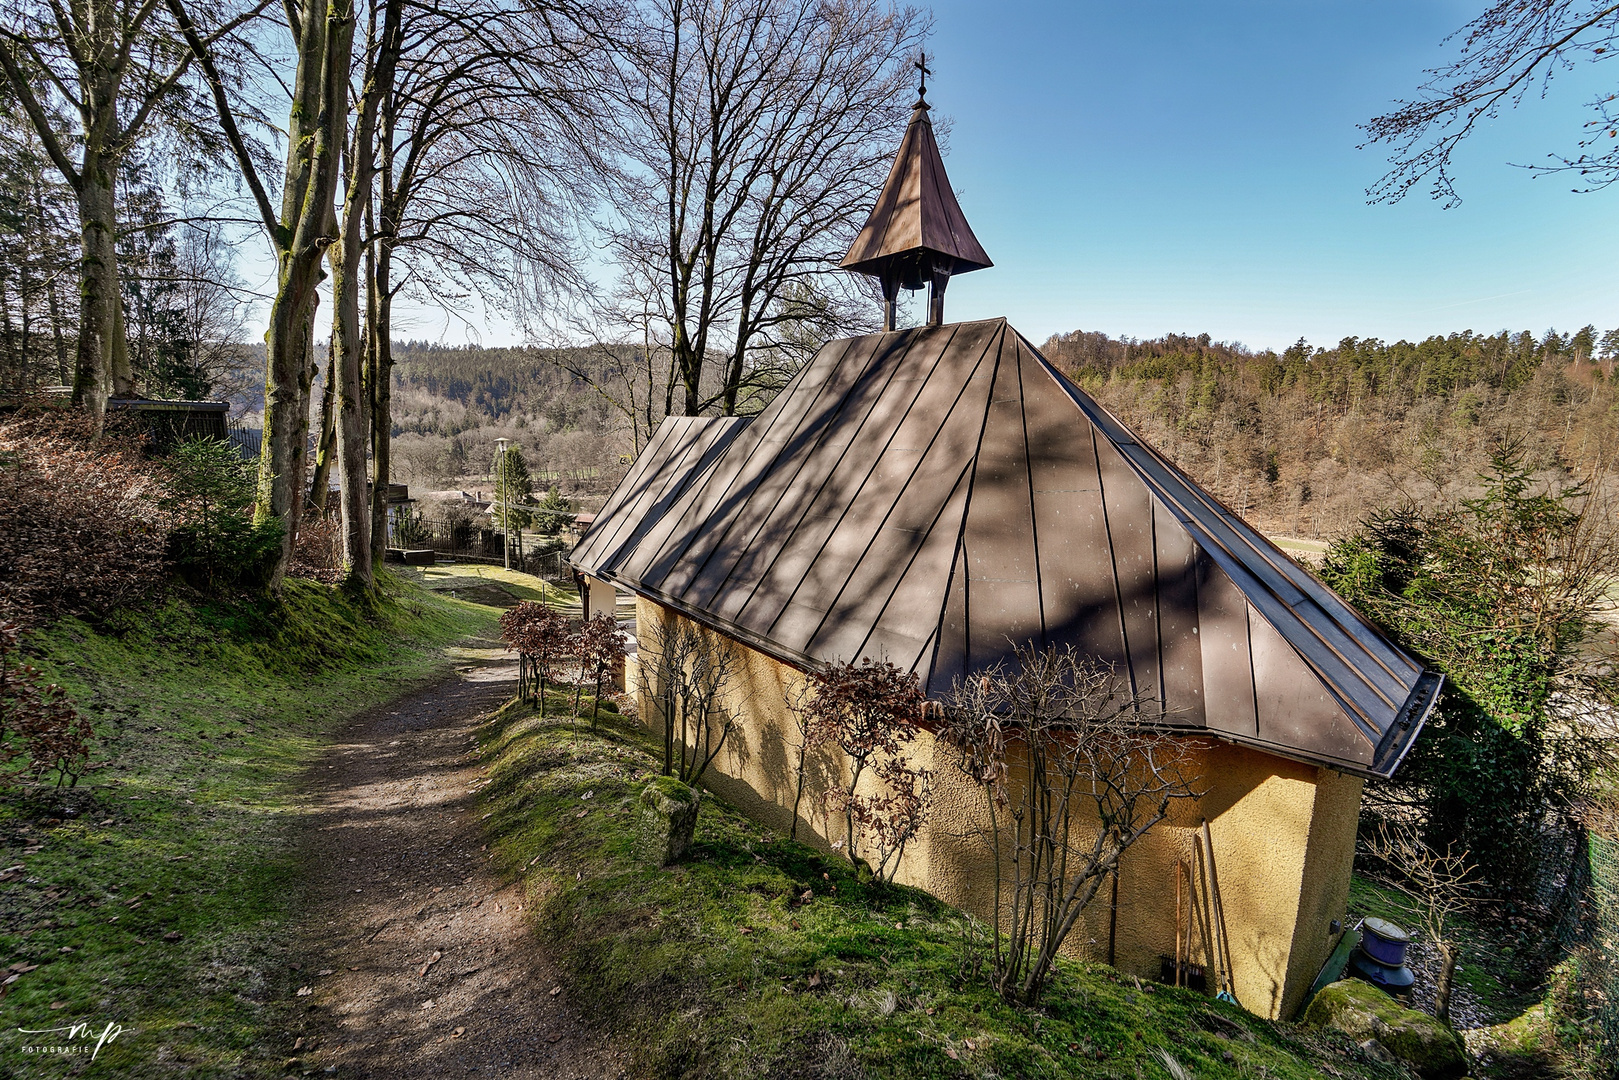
[154, 895]
[758, 956]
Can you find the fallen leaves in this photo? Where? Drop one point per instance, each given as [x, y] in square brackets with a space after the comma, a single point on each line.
[555, 990]
[305, 991]
[172, 935]
[458, 1032]
[422, 974]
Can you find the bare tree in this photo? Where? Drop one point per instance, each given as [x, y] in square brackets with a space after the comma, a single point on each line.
[299, 233]
[692, 672]
[1513, 48]
[38, 259]
[753, 138]
[1439, 884]
[111, 64]
[1073, 771]
[484, 138]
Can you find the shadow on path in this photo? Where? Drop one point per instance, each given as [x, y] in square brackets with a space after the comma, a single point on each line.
[417, 958]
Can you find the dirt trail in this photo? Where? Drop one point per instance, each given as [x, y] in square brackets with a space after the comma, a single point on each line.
[397, 881]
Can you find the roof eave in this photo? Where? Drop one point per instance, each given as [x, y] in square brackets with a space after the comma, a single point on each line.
[1387, 759]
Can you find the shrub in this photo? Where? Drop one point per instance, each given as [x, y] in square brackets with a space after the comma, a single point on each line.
[411, 529]
[83, 525]
[540, 636]
[38, 724]
[1504, 594]
[211, 490]
[599, 645]
[869, 711]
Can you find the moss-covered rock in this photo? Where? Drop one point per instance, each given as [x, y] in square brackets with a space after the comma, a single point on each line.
[667, 817]
[1362, 1011]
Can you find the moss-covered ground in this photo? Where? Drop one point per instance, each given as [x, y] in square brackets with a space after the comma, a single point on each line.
[758, 956]
[154, 895]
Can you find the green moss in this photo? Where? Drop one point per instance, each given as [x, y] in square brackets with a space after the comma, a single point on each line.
[758, 956]
[671, 789]
[1362, 1011]
[209, 713]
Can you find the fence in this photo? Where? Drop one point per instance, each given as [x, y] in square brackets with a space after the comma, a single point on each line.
[1604, 939]
[469, 540]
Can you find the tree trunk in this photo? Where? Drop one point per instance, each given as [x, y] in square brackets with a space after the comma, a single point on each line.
[1441, 990]
[308, 217]
[379, 380]
[346, 362]
[102, 368]
[377, 118]
[326, 442]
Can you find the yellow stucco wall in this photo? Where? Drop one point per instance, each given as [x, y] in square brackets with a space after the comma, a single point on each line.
[1283, 833]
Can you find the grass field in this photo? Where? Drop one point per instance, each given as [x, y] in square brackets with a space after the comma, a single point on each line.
[758, 956]
[155, 895]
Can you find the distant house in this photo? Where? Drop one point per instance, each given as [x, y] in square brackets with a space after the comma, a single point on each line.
[930, 497]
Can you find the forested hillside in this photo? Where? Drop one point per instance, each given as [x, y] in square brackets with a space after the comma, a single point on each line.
[1302, 443]
[450, 405]
[1305, 442]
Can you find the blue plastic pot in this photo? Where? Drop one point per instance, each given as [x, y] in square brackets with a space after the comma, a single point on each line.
[1384, 942]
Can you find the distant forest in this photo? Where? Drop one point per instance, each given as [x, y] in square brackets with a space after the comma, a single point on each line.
[1305, 442]
[450, 404]
[1302, 443]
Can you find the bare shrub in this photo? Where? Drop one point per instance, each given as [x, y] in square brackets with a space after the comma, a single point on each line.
[692, 671]
[1074, 771]
[38, 724]
[83, 528]
[317, 551]
[1440, 886]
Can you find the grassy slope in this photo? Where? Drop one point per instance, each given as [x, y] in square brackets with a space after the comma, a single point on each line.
[722, 966]
[209, 712]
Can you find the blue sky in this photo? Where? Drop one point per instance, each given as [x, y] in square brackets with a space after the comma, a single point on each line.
[1143, 168]
[1147, 168]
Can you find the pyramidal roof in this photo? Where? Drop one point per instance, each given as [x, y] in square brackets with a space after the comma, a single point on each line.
[917, 211]
[934, 495]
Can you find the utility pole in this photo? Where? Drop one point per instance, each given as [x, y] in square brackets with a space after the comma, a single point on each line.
[500, 501]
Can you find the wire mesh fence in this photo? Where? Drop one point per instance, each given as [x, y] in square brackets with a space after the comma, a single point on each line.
[1602, 996]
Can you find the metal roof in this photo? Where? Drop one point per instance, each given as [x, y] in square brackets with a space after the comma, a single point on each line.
[933, 495]
[917, 210]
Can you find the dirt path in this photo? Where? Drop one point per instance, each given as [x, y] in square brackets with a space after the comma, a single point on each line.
[417, 958]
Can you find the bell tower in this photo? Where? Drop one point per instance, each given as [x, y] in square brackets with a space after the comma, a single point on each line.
[917, 234]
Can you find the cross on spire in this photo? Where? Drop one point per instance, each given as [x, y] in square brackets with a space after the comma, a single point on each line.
[921, 65]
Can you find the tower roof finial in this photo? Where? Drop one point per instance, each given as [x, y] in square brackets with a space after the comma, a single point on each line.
[921, 66]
